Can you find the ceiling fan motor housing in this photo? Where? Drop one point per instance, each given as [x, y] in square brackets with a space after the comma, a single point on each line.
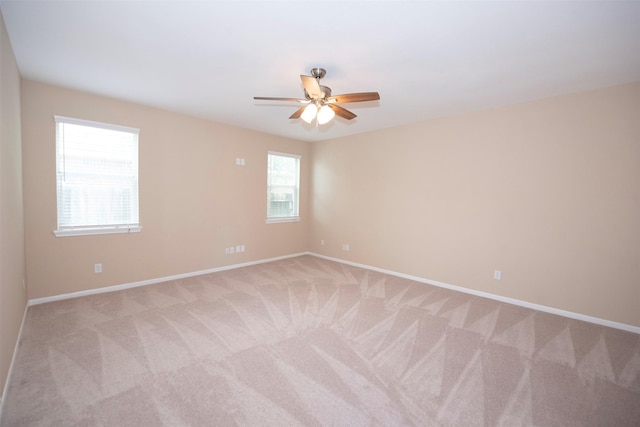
[326, 91]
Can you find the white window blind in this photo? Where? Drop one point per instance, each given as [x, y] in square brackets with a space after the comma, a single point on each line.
[283, 181]
[97, 177]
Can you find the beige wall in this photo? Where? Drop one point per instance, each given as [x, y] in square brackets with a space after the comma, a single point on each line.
[13, 298]
[194, 199]
[548, 192]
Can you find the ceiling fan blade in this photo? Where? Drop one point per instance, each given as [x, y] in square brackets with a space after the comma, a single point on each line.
[355, 97]
[269, 98]
[342, 112]
[298, 113]
[311, 86]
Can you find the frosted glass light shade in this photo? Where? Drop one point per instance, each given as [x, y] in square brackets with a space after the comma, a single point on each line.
[325, 114]
[309, 113]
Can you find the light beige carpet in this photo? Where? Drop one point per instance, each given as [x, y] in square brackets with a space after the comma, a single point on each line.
[305, 341]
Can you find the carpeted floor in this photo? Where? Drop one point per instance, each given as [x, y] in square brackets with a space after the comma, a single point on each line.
[306, 341]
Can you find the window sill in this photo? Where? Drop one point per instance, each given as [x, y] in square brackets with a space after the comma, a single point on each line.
[283, 219]
[97, 230]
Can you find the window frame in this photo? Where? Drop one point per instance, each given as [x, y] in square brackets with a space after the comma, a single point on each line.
[296, 187]
[82, 230]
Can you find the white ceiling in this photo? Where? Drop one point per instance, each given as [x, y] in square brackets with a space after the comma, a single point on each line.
[426, 59]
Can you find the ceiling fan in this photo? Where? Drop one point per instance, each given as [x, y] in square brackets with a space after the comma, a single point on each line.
[320, 105]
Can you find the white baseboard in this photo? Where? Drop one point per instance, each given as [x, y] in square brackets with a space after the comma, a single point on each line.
[13, 362]
[114, 288]
[521, 303]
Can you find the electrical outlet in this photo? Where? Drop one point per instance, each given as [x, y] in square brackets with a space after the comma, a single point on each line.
[97, 268]
[345, 247]
[497, 274]
[234, 249]
[322, 242]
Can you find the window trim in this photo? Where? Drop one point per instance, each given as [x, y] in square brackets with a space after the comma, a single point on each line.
[87, 231]
[101, 125]
[283, 219]
[277, 220]
[67, 231]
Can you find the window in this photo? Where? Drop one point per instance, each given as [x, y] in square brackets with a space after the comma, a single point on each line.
[283, 181]
[96, 177]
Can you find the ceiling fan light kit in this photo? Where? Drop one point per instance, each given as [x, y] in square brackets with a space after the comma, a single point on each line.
[321, 106]
[325, 114]
[309, 113]
[322, 114]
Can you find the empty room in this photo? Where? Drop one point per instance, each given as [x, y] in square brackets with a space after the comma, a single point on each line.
[297, 213]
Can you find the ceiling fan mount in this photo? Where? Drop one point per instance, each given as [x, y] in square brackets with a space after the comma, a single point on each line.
[320, 104]
[318, 73]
